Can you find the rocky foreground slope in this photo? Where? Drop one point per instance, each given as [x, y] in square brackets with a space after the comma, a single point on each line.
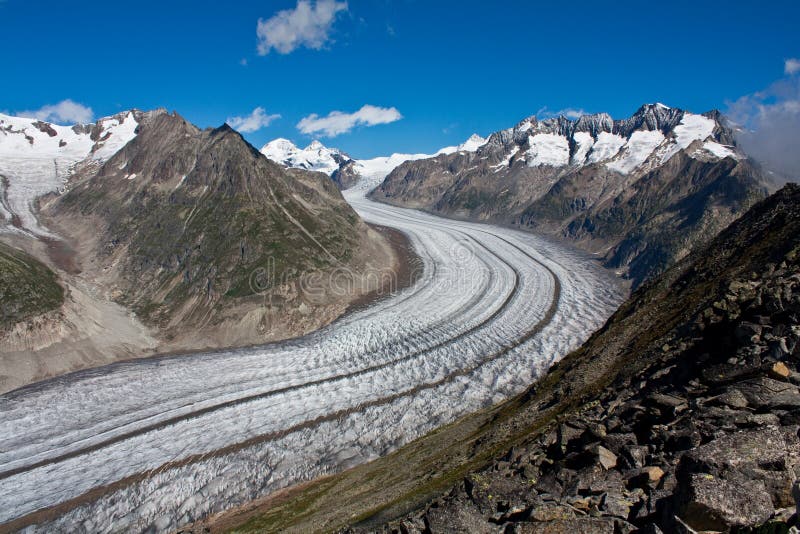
[680, 415]
[639, 192]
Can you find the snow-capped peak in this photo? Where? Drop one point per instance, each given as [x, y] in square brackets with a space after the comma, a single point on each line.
[280, 144]
[472, 144]
[315, 157]
[316, 145]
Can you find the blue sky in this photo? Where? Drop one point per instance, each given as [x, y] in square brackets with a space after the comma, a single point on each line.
[447, 68]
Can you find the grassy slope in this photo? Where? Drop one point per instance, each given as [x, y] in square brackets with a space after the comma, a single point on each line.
[630, 342]
[27, 287]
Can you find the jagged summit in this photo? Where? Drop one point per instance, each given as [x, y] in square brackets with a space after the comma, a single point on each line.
[639, 192]
[643, 141]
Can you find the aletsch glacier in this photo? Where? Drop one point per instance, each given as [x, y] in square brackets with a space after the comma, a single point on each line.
[192, 435]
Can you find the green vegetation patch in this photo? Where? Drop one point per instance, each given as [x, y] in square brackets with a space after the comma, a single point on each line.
[27, 287]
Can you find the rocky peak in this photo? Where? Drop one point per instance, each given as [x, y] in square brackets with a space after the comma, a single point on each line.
[594, 124]
[651, 117]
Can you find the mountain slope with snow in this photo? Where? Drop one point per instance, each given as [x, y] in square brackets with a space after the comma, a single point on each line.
[346, 171]
[639, 191]
[315, 157]
[38, 157]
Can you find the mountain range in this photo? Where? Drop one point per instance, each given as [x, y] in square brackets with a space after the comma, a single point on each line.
[638, 192]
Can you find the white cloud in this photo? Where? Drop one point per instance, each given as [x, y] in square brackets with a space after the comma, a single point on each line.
[65, 112]
[770, 126]
[255, 121]
[791, 66]
[338, 122]
[308, 25]
[570, 113]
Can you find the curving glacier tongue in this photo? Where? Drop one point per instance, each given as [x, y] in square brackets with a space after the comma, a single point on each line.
[166, 441]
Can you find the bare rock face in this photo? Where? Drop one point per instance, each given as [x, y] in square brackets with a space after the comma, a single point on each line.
[641, 191]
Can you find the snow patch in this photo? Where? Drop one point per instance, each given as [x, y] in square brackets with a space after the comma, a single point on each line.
[691, 128]
[584, 142]
[606, 147]
[720, 150]
[547, 149]
[641, 144]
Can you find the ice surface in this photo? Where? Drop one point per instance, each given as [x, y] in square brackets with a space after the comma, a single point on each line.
[584, 142]
[641, 144]
[547, 149]
[607, 146]
[456, 341]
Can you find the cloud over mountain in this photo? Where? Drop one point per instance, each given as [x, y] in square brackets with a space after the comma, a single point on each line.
[65, 112]
[257, 119]
[770, 121]
[338, 122]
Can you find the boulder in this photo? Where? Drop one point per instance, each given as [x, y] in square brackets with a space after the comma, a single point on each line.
[605, 457]
[710, 503]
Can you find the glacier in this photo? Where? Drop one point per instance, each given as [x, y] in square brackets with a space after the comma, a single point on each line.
[153, 444]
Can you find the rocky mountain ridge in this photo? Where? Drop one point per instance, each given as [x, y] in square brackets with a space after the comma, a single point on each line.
[639, 192]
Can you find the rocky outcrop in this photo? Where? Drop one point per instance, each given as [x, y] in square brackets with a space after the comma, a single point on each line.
[639, 192]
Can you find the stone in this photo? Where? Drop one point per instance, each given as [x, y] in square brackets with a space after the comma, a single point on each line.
[764, 448]
[551, 512]
[646, 477]
[732, 398]
[779, 371]
[605, 457]
[767, 393]
[747, 332]
[637, 454]
[654, 474]
[616, 505]
[711, 503]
